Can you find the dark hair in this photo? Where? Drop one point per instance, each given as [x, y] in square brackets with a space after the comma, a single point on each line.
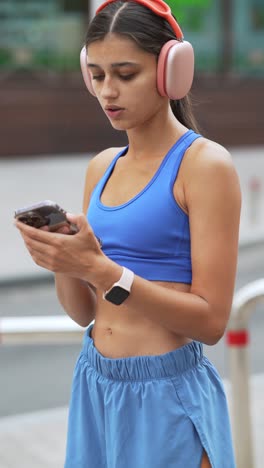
[149, 31]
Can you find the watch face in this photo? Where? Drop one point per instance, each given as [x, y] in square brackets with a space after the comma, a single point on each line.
[117, 295]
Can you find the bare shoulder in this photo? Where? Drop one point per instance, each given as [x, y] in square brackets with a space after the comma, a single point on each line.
[209, 168]
[206, 155]
[99, 163]
[208, 161]
[96, 169]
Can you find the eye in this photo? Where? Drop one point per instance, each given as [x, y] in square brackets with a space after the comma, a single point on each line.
[122, 77]
[127, 77]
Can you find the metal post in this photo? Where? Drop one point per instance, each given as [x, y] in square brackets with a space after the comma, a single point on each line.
[244, 304]
[254, 200]
[241, 421]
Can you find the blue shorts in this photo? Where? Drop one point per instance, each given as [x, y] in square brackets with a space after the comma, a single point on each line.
[147, 411]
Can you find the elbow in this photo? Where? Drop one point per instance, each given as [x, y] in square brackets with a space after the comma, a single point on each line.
[82, 323]
[213, 339]
[215, 332]
[214, 322]
[82, 320]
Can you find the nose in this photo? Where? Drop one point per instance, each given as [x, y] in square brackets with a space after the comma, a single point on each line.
[109, 88]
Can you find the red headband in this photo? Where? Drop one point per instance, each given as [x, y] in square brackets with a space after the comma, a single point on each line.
[157, 6]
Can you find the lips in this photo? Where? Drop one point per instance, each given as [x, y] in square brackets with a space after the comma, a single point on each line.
[114, 112]
[113, 108]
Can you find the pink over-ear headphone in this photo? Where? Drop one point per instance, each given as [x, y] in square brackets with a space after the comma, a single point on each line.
[175, 67]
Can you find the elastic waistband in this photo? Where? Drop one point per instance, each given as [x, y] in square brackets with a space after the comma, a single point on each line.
[142, 367]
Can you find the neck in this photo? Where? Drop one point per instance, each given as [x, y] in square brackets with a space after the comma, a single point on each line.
[154, 137]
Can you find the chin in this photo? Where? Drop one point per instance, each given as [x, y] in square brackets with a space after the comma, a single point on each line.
[120, 126]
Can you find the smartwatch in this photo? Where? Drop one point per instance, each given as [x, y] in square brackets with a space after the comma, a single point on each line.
[120, 290]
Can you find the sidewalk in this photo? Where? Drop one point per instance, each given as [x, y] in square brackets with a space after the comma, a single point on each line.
[38, 440]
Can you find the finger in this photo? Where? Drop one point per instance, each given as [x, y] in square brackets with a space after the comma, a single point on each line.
[79, 220]
[82, 224]
[35, 247]
[43, 261]
[49, 262]
[42, 254]
[25, 228]
[37, 234]
[66, 229]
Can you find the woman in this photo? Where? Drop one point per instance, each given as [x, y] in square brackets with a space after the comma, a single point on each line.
[166, 209]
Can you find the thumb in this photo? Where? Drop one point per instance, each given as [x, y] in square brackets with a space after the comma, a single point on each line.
[78, 219]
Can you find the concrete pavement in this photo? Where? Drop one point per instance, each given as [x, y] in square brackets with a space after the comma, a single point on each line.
[34, 440]
[38, 440]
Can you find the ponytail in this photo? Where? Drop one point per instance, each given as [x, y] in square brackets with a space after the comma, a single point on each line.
[182, 109]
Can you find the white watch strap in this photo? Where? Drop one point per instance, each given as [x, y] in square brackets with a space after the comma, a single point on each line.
[125, 281]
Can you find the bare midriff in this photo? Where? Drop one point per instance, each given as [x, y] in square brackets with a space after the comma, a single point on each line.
[119, 332]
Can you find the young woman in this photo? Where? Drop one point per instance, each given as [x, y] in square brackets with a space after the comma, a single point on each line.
[166, 209]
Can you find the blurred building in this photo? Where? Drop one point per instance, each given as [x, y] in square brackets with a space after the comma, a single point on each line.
[228, 35]
[45, 108]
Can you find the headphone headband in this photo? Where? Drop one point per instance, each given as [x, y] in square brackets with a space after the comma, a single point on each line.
[157, 6]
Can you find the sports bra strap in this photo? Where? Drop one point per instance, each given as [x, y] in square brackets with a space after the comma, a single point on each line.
[186, 143]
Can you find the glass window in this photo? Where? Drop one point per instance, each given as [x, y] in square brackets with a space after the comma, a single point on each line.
[41, 34]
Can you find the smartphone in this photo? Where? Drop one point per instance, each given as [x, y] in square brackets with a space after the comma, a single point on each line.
[45, 213]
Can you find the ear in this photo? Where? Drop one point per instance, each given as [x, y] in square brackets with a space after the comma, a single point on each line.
[175, 69]
[85, 72]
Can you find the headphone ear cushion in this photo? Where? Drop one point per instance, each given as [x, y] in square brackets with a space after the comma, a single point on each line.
[175, 69]
[85, 72]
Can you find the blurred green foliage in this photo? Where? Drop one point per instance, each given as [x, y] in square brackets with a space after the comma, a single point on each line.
[190, 13]
[5, 57]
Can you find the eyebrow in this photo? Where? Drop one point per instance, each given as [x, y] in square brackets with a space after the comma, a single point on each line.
[113, 65]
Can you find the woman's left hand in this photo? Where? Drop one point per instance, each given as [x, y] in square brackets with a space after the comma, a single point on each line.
[77, 255]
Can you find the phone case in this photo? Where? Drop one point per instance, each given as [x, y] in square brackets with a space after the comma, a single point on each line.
[45, 213]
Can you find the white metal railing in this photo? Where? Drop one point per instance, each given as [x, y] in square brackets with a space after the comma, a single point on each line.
[244, 304]
[41, 329]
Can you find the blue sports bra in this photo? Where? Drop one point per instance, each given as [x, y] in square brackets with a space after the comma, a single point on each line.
[149, 234]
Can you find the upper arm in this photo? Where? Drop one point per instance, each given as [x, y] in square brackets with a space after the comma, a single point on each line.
[214, 201]
[95, 170]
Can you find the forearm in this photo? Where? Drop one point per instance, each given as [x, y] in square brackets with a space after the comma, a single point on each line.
[77, 298]
[184, 313]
